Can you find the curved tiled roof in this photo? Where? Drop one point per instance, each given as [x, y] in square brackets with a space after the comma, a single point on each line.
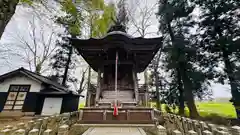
[92, 49]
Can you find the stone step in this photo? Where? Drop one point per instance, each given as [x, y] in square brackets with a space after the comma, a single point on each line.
[118, 125]
[114, 131]
[116, 122]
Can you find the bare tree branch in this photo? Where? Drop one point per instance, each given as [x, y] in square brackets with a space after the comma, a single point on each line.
[37, 45]
[142, 21]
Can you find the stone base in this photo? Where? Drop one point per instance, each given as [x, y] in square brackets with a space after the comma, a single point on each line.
[11, 114]
[125, 116]
[16, 115]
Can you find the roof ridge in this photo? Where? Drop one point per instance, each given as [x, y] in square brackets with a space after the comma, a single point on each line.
[56, 83]
[39, 75]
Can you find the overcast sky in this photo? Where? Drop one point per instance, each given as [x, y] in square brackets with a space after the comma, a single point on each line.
[19, 23]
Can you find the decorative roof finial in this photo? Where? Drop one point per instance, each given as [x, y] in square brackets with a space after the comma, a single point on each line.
[122, 18]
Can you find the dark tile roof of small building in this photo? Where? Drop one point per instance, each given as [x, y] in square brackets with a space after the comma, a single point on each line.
[38, 77]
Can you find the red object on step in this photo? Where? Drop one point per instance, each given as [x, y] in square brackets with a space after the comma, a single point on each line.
[115, 110]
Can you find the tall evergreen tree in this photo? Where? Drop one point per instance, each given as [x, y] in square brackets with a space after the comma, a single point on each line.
[62, 61]
[175, 22]
[219, 36]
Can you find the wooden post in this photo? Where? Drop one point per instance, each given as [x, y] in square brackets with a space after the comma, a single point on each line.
[116, 73]
[89, 96]
[135, 86]
[98, 86]
[146, 98]
[81, 114]
[105, 115]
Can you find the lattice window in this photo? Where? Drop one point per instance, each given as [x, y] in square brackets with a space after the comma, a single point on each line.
[16, 97]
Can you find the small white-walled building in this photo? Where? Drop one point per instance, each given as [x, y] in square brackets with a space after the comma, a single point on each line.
[30, 93]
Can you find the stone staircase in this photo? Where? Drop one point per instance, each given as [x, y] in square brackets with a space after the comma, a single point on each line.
[124, 97]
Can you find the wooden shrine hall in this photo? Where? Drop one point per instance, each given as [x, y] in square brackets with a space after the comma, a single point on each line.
[117, 58]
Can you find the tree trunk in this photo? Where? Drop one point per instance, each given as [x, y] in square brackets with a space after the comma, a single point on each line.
[233, 83]
[88, 86]
[81, 86]
[229, 70]
[181, 96]
[7, 10]
[67, 66]
[186, 81]
[157, 91]
[188, 93]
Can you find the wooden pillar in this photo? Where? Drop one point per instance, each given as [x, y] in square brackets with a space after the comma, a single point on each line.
[98, 86]
[89, 98]
[135, 81]
[146, 98]
[146, 86]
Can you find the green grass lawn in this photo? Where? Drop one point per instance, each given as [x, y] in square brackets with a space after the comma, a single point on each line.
[222, 109]
[81, 105]
[206, 109]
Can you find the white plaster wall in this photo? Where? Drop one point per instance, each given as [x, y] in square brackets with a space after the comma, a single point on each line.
[35, 85]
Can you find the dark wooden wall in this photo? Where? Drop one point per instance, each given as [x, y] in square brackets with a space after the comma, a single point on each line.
[39, 104]
[34, 102]
[30, 102]
[3, 98]
[70, 103]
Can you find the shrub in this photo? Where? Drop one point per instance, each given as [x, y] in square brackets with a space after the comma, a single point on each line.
[168, 109]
